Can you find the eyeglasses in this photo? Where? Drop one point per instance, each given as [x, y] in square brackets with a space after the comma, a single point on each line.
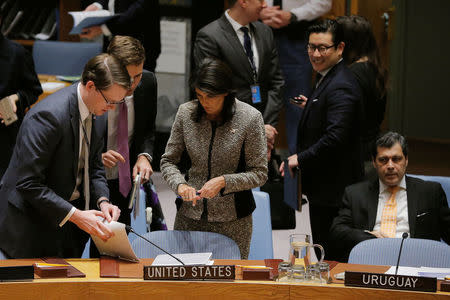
[322, 49]
[111, 102]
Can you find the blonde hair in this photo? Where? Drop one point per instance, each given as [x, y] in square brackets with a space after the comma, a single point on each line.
[128, 50]
[105, 70]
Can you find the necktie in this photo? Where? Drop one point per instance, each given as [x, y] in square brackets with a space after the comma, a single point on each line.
[84, 159]
[248, 49]
[122, 148]
[389, 216]
[318, 80]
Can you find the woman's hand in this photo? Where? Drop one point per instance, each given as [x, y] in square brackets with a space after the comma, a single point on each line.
[188, 193]
[212, 187]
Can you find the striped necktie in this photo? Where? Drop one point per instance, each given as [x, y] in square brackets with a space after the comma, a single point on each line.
[389, 216]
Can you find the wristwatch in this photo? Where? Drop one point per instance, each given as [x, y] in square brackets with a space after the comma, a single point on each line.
[148, 156]
[293, 18]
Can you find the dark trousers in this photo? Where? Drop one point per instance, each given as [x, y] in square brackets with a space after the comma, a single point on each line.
[321, 218]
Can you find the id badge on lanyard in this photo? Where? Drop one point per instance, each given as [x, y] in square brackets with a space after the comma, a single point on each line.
[256, 93]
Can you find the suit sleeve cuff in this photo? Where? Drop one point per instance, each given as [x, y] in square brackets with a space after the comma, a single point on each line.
[148, 156]
[71, 212]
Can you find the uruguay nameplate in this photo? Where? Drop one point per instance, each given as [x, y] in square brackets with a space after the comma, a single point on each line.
[389, 281]
[225, 272]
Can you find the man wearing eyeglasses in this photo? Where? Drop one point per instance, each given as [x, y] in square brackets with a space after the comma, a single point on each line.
[55, 190]
[328, 151]
[123, 161]
[392, 203]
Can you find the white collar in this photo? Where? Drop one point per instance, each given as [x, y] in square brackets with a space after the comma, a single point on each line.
[384, 187]
[83, 109]
[236, 26]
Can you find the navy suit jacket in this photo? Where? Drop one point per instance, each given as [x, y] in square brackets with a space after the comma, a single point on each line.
[218, 39]
[41, 176]
[329, 140]
[428, 213]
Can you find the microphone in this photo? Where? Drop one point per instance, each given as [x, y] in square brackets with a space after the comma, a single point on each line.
[404, 236]
[128, 228]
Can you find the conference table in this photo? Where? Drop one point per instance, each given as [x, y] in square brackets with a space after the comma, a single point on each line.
[134, 287]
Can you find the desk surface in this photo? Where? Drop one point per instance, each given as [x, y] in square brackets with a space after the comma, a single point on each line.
[93, 287]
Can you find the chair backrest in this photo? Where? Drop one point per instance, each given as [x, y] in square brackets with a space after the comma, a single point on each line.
[175, 242]
[444, 181]
[63, 58]
[3, 255]
[415, 253]
[261, 246]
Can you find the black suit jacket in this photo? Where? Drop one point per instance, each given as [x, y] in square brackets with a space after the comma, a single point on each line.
[145, 108]
[329, 140]
[17, 77]
[428, 213]
[218, 39]
[141, 20]
[41, 177]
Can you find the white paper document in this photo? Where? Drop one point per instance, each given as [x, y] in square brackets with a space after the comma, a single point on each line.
[118, 245]
[189, 259]
[438, 273]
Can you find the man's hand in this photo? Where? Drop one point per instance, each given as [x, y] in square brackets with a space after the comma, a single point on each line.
[271, 133]
[111, 157]
[275, 17]
[212, 187]
[188, 193]
[378, 234]
[87, 221]
[13, 99]
[110, 211]
[91, 33]
[144, 168]
[292, 162]
[301, 97]
[92, 7]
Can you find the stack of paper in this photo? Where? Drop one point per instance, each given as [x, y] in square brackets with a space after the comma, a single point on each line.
[189, 259]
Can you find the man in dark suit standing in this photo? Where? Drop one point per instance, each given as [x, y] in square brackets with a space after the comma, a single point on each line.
[391, 204]
[56, 180]
[138, 18]
[328, 152]
[18, 82]
[139, 109]
[249, 49]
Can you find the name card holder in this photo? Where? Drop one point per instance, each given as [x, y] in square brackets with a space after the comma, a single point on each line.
[389, 281]
[222, 272]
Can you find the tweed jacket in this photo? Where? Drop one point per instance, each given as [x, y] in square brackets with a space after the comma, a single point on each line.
[215, 151]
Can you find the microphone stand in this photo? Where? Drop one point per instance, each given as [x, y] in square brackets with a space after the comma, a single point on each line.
[404, 236]
[130, 229]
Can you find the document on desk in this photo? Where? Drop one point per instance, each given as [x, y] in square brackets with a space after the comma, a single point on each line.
[438, 273]
[117, 246]
[189, 259]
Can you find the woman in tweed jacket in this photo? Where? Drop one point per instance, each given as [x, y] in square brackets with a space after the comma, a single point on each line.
[226, 143]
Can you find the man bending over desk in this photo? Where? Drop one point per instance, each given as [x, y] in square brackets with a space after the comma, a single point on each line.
[392, 204]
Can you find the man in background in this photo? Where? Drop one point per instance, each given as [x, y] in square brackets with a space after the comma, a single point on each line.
[131, 127]
[391, 204]
[249, 49]
[18, 82]
[328, 151]
[138, 18]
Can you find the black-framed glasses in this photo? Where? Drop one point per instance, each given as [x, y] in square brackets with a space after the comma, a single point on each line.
[322, 49]
[111, 102]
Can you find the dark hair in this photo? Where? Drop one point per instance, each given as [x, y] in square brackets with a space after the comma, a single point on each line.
[360, 42]
[105, 70]
[214, 77]
[327, 25]
[388, 140]
[127, 49]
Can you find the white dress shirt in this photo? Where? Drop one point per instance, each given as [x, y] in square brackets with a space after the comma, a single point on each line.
[305, 10]
[402, 207]
[240, 35]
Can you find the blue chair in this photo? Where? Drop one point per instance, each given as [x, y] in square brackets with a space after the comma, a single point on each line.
[415, 253]
[261, 246]
[3, 255]
[444, 181]
[175, 241]
[63, 58]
